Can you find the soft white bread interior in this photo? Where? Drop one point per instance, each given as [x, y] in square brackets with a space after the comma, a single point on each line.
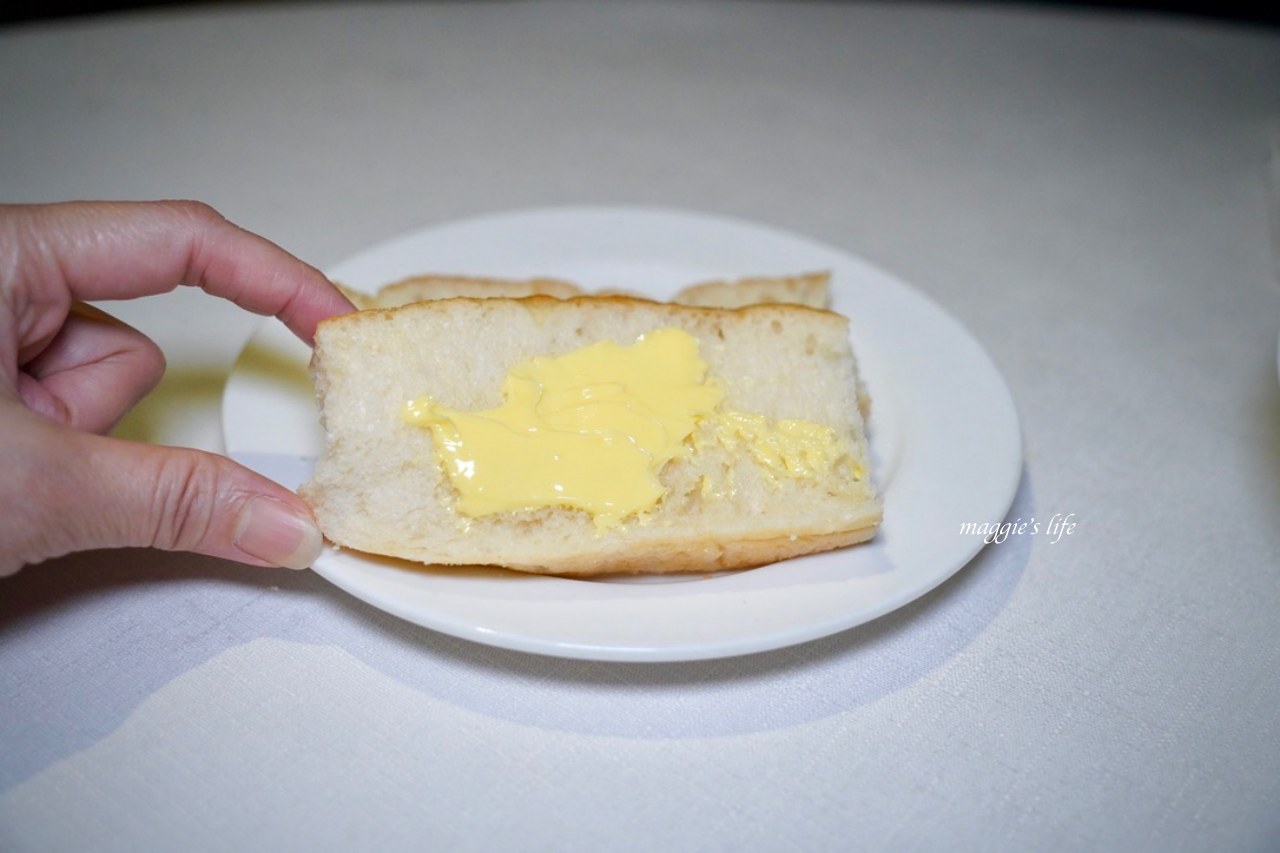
[811, 289]
[379, 486]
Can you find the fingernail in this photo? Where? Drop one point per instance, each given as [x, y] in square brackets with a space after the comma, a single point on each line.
[272, 532]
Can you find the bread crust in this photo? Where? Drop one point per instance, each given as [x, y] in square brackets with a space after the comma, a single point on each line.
[422, 288]
[688, 557]
[811, 289]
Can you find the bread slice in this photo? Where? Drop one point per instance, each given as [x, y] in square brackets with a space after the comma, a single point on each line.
[379, 486]
[426, 287]
[811, 289]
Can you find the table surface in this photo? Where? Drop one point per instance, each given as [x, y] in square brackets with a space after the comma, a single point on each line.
[1092, 195]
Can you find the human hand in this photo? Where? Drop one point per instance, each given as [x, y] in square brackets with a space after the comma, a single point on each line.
[69, 372]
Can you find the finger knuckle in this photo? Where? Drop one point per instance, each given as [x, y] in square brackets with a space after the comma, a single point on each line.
[198, 212]
[186, 490]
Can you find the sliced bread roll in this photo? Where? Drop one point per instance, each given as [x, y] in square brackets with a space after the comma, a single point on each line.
[380, 485]
[425, 287]
[811, 289]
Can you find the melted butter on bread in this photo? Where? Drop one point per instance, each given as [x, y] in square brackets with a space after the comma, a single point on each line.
[593, 428]
[785, 448]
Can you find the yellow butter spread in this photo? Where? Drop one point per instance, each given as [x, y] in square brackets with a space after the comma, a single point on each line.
[592, 430]
[786, 448]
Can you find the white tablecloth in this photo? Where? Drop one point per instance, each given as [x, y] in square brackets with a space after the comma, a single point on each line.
[1088, 193]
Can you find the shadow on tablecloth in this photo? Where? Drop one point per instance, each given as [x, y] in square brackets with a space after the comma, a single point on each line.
[81, 647]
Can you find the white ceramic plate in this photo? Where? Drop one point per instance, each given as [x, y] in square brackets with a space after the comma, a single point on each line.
[944, 434]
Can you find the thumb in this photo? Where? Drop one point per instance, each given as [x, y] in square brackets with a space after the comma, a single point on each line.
[115, 493]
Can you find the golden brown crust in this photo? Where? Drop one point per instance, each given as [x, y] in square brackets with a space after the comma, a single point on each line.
[689, 557]
[707, 555]
[540, 302]
[809, 289]
[427, 287]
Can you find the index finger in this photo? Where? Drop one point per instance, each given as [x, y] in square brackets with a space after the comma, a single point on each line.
[119, 250]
